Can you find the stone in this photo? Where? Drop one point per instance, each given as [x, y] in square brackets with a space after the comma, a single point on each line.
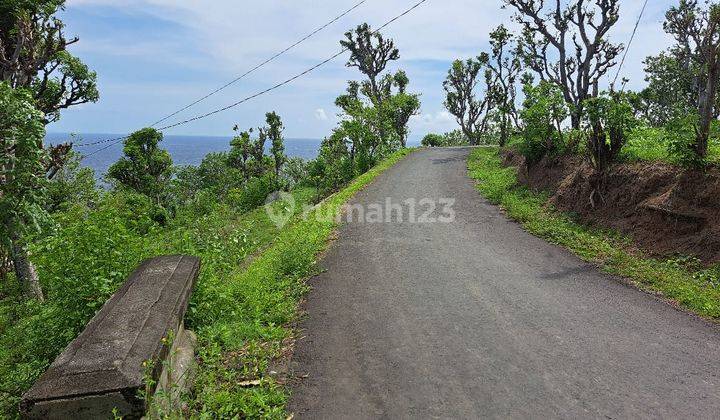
[104, 368]
[177, 376]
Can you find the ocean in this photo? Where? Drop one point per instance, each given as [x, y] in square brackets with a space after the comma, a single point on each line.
[185, 150]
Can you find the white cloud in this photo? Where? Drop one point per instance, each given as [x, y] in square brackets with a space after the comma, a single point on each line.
[438, 122]
[221, 39]
[321, 115]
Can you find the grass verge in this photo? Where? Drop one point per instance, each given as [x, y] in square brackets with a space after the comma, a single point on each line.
[682, 280]
[91, 255]
[247, 323]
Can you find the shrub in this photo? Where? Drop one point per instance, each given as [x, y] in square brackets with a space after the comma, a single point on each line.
[334, 165]
[295, 172]
[680, 138]
[452, 138]
[253, 194]
[72, 184]
[433, 140]
[610, 120]
[456, 138]
[544, 110]
[137, 212]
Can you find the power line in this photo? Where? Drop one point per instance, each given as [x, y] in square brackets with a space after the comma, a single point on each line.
[237, 79]
[261, 64]
[632, 37]
[276, 86]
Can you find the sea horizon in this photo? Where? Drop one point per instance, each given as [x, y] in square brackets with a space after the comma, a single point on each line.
[184, 149]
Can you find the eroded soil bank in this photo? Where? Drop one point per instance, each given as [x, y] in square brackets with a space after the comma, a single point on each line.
[665, 209]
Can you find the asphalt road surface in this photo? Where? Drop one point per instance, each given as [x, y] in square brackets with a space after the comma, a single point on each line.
[478, 319]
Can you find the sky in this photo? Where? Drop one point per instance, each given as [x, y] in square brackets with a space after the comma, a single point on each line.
[155, 56]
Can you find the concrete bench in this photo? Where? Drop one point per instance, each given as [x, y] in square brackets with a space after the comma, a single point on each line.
[104, 368]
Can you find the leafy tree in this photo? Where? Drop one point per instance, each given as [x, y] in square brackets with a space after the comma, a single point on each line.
[610, 119]
[248, 154]
[72, 184]
[568, 45]
[274, 132]
[33, 55]
[370, 53]
[471, 113]
[365, 146]
[683, 81]
[374, 112]
[400, 107]
[334, 165]
[697, 33]
[34, 58]
[362, 126]
[241, 151]
[505, 67]
[145, 167]
[672, 88]
[544, 110]
[22, 180]
[386, 112]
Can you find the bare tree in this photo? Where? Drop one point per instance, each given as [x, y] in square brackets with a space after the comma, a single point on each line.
[567, 44]
[460, 86]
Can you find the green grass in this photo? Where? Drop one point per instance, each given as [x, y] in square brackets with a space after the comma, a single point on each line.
[681, 279]
[91, 255]
[251, 280]
[647, 144]
[253, 308]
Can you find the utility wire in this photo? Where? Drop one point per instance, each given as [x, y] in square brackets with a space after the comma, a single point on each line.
[237, 79]
[261, 64]
[278, 85]
[632, 37]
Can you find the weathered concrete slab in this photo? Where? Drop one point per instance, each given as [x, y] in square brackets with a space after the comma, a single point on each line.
[103, 368]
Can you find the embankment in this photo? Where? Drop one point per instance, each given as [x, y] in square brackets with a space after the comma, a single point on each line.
[666, 210]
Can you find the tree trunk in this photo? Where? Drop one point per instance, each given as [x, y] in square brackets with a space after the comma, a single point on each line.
[503, 131]
[468, 133]
[576, 118]
[707, 102]
[25, 270]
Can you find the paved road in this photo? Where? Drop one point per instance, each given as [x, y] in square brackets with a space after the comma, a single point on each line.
[478, 319]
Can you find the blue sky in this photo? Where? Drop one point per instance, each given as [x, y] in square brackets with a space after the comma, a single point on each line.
[155, 56]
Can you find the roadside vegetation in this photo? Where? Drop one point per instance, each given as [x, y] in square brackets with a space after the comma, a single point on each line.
[453, 138]
[249, 323]
[68, 243]
[538, 93]
[563, 109]
[681, 279]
